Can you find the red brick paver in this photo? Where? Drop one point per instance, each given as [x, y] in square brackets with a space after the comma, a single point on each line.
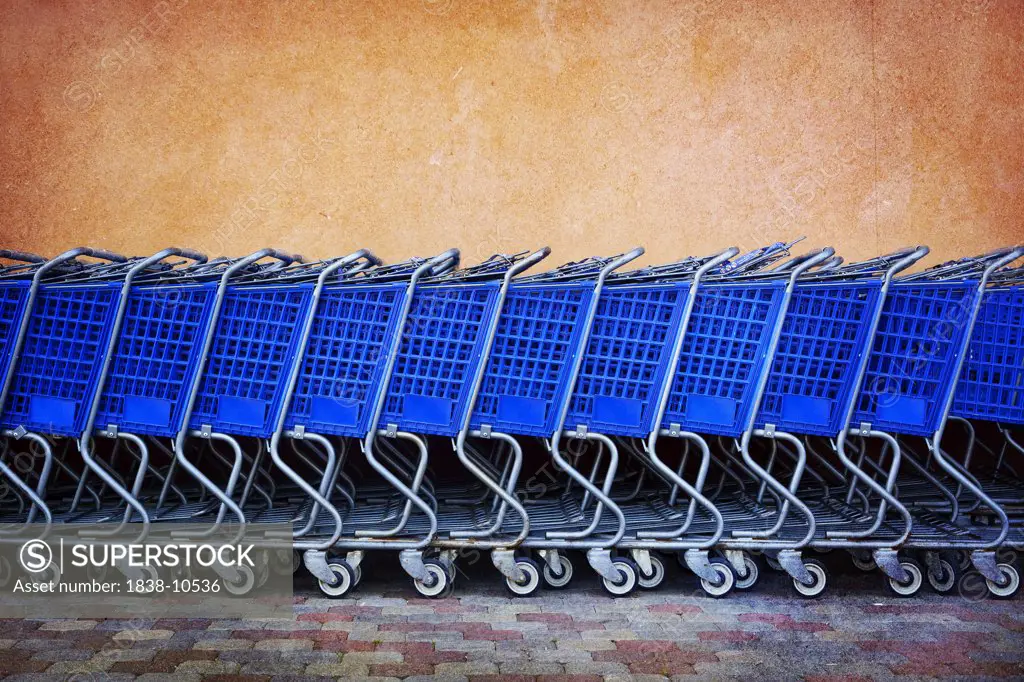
[855, 633]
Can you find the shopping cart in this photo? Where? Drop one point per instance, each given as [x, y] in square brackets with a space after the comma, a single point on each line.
[635, 339]
[136, 366]
[717, 387]
[909, 389]
[991, 389]
[248, 354]
[17, 286]
[817, 373]
[154, 357]
[430, 389]
[65, 330]
[524, 390]
[348, 349]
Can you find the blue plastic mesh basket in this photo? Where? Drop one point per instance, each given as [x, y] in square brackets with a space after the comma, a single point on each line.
[56, 377]
[439, 355]
[991, 386]
[824, 336]
[13, 295]
[723, 357]
[526, 380]
[254, 344]
[910, 372]
[626, 358]
[155, 358]
[352, 334]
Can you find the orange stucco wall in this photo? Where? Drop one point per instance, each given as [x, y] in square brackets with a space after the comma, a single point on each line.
[410, 126]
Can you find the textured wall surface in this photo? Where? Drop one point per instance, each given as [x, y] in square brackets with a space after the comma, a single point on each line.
[590, 126]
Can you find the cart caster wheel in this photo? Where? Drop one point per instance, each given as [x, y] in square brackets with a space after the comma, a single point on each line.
[657, 576]
[913, 585]
[262, 575]
[964, 561]
[149, 578]
[245, 584]
[282, 562]
[1010, 586]
[628, 575]
[1005, 555]
[863, 562]
[727, 579]
[820, 575]
[531, 579]
[357, 575]
[449, 567]
[749, 578]
[439, 584]
[562, 577]
[344, 580]
[773, 564]
[946, 580]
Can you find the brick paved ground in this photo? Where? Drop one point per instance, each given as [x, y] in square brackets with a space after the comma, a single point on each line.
[856, 632]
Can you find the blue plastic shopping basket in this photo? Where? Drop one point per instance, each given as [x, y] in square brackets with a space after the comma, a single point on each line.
[156, 357]
[342, 371]
[57, 374]
[441, 348]
[824, 335]
[991, 385]
[723, 356]
[626, 359]
[13, 296]
[254, 345]
[527, 374]
[911, 369]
